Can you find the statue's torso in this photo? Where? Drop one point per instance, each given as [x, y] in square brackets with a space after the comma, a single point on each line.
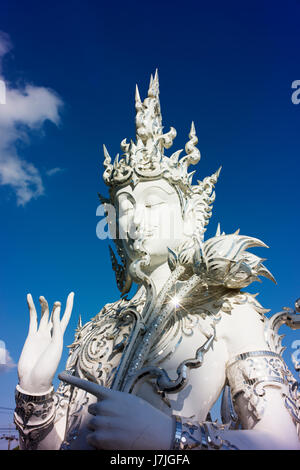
[99, 347]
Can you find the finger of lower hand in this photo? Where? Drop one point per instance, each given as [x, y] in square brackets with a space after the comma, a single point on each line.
[93, 424]
[93, 439]
[93, 409]
[90, 387]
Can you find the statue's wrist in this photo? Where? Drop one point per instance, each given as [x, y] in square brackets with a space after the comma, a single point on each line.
[34, 391]
[34, 409]
[32, 387]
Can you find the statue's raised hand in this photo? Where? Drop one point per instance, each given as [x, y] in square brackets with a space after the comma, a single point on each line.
[43, 346]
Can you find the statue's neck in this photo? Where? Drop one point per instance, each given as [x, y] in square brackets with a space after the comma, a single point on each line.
[159, 275]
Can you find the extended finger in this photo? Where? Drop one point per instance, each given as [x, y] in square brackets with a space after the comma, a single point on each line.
[56, 331]
[32, 314]
[100, 439]
[44, 312]
[97, 390]
[66, 317]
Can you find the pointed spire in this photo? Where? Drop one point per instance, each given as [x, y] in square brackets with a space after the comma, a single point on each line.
[150, 84]
[192, 131]
[153, 90]
[218, 232]
[107, 165]
[116, 162]
[190, 176]
[106, 155]
[79, 324]
[156, 82]
[137, 95]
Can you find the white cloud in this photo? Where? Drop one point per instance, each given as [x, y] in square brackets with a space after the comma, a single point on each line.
[6, 362]
[53, 171]
[26, 110]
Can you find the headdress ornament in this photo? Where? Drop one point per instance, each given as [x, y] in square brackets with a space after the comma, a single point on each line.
[145, 158]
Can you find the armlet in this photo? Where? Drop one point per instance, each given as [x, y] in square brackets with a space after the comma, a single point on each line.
[249, 373]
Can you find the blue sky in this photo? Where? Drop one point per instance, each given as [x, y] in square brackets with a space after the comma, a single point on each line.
[227, 66]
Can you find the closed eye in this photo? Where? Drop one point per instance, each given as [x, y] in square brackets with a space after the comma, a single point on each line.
[153, 201]
[153, 204]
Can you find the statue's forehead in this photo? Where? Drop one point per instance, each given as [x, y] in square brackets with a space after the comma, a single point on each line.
[143, 187]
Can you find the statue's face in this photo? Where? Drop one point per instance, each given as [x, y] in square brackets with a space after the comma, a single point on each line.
[152, 212]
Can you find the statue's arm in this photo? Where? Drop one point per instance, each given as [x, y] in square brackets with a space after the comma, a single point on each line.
[262, 393]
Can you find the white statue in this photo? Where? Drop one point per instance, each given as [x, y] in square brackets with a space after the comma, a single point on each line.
[145, 372]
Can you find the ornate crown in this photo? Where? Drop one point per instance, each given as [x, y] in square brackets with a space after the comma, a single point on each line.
[145, 159]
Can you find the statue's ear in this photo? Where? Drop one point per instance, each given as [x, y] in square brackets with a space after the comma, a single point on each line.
[189, 219]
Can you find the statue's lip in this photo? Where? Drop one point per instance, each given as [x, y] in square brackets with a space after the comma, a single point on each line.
[141, 236]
